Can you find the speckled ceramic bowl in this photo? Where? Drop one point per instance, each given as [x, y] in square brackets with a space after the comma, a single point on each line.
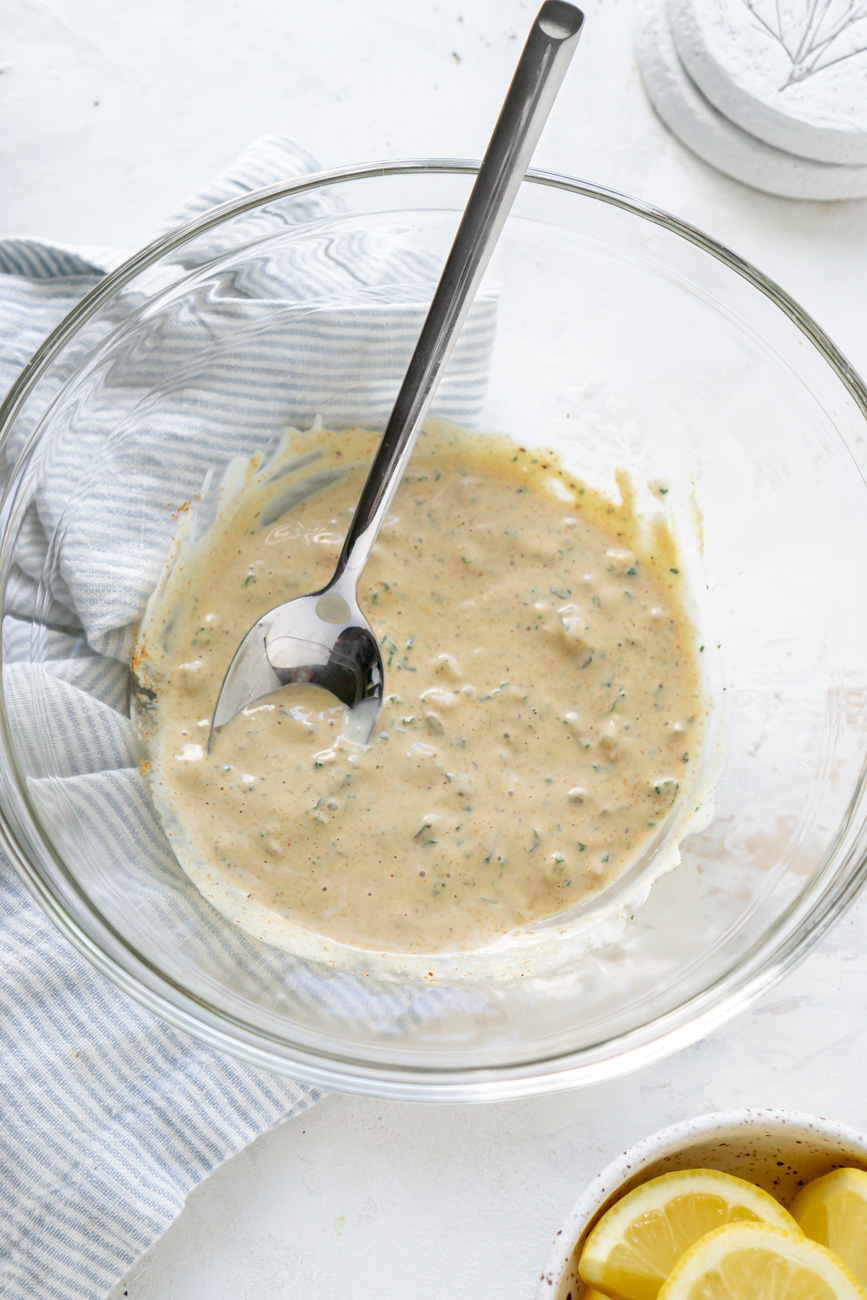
[777, 1149]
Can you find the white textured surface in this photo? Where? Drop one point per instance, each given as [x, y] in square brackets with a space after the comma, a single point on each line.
[435, 1201]
[390, 1201]
[702, 127]
[791, 73]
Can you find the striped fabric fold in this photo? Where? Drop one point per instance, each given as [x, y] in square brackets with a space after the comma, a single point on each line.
[108, 1117]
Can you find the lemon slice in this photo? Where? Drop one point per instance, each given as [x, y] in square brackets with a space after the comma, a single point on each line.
[833, 1211]
[637, 1243]
[754, 1261]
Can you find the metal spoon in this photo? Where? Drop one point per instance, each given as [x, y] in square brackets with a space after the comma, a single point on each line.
[324, 638]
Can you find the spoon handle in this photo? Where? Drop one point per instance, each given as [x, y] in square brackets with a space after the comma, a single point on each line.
[540, 71]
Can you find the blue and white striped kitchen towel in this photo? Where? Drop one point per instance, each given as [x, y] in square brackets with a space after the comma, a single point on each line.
[108, 1117]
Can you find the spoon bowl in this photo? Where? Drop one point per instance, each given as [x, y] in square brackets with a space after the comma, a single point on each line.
[321, 640]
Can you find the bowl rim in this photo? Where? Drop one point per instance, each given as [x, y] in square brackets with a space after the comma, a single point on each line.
[668, 1141]
[147, 985]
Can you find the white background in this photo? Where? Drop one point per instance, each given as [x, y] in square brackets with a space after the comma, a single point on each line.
[112, 112]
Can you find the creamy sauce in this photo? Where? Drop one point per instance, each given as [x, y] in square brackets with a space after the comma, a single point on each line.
[543, 716]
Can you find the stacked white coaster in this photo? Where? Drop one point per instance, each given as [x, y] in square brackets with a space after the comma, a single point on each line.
[772, 92]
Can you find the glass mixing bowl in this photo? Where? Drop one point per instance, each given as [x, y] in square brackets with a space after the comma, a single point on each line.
[608, 330]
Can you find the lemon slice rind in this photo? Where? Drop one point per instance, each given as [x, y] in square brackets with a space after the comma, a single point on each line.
[637, 1242]
[729, 1263]
[833, 1211]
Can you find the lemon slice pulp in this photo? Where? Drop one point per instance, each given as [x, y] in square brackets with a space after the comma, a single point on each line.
[755, 1261]
[637, 1242]
[833, 1211]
